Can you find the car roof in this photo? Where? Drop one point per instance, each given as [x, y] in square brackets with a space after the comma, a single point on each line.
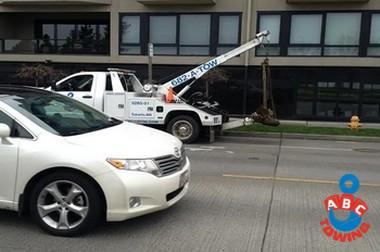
[6, 90]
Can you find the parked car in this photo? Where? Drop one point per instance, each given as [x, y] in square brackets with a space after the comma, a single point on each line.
[71, 166]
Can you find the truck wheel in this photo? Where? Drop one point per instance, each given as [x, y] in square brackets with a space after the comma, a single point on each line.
[66, 204]
[184, 128]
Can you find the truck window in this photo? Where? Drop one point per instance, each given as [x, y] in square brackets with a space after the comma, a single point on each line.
[80, 83]
[126, 82]
[108, 83]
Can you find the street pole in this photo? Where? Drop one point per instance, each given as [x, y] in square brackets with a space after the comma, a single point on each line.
[150, 63]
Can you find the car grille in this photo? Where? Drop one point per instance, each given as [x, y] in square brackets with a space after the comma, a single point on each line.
[170, 164]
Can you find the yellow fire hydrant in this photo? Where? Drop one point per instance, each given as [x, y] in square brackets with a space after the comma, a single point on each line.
[354, 123]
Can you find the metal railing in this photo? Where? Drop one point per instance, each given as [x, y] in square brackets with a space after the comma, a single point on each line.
[54, 46]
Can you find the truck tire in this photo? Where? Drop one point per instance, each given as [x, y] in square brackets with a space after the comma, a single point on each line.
[66, 204]
[185, 128]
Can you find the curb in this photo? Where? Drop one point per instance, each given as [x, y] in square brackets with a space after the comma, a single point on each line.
[302, 136]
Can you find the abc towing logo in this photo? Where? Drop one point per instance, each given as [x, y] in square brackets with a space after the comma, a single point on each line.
[353, 226]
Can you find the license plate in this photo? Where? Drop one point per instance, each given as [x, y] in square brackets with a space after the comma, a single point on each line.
[185, 177]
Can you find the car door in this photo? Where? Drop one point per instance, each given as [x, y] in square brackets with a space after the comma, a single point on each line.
[8, 165]
[80, 87]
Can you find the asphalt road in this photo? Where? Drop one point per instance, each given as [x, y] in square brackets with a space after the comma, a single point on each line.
[234, 204]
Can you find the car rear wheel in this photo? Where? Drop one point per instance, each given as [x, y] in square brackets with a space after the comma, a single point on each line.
[66, 204]
[184, 128]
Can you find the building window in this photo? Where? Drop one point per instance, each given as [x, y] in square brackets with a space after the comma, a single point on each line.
[87, 37]
[130, 35]
[305, 35]
[342, 34]
[374, 41]
[271, 23]
[180, 34]
[163, 34]
[195, 38]
[229, 33]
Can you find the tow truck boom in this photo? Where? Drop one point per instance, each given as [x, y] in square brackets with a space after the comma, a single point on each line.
[197, 72]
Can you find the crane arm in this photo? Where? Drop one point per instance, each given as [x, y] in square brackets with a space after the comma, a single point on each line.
[201, 70]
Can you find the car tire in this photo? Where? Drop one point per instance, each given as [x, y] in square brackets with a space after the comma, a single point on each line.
[66, 204]
[185, 128]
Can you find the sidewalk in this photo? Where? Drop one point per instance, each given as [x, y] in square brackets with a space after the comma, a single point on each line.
[237, 122]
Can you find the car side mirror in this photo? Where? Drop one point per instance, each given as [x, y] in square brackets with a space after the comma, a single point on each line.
[5, 131]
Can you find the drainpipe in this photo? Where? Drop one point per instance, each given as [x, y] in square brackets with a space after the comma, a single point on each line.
[247, 55]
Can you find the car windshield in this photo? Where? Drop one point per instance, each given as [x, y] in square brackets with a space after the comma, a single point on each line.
[59, 114]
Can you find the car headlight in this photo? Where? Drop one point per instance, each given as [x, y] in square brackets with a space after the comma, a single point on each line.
[135, 165]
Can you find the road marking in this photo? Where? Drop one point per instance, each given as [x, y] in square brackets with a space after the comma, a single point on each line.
[313, 181]
[314, 148]
[198, 149]
[230, 152]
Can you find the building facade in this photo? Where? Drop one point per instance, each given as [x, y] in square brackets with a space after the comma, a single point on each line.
[324, 54]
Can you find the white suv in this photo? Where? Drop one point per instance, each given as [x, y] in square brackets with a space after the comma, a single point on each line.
[71, 166]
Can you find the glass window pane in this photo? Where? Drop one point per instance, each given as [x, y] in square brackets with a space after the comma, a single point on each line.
[343, 28]
[326, 109]
[192, 33]
[370, 110]
[373, 51]
[228, 29]
[347, 109]
[271, 23]
[130, 49]
[166, 50]
[65, 31]
[223, 49]
[375, 29]
[48, 31]
[341, 51]
[304, 108]
[163, 29]
[270, 51]
[130, 26]
[194, 50]
[306, 29]
[308, 51]
[103, 32]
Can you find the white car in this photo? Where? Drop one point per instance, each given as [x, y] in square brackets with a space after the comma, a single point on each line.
[72, 167]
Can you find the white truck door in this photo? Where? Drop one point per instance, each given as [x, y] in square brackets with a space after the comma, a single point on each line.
[8, 165]
[139, 109]
[80, 87]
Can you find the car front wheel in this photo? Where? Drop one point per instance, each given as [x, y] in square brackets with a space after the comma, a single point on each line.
[66, 204]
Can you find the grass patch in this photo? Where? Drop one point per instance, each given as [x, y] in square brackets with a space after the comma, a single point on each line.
[307, 130]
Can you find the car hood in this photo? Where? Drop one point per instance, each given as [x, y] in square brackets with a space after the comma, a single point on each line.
[128, 140]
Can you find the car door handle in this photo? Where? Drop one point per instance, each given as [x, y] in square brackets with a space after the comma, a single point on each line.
[87, 97]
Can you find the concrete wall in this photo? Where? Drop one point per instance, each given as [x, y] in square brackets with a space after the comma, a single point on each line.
[132, 6]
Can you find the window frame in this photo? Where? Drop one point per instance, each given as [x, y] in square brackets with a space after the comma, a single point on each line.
[121, 43]
[38, 28]
[285, 30]
[217, 29]
[281, 41]
[145, 32]
[368, 26]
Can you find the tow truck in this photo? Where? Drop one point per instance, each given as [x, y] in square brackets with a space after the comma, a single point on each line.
[120, 94]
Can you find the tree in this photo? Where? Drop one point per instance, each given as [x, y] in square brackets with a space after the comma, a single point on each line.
[39, 74]
[214, 75]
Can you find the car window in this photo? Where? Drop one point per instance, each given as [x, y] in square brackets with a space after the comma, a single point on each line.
[16, 129]
[79, 83]
[61, 115]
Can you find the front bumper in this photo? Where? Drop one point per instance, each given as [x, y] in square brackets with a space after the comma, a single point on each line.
[155, 193]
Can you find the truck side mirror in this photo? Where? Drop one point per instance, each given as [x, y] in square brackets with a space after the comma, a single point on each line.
[5, 131]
